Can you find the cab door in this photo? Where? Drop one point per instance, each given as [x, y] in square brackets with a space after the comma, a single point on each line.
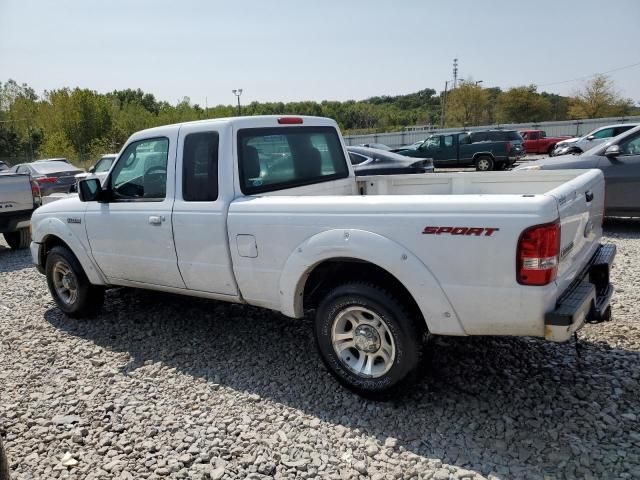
[622, 176]
[130, 233]
[200, 209]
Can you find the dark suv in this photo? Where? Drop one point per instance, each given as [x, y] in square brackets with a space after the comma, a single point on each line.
[511, 136]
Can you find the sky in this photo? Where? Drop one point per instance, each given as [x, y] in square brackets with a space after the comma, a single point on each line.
[315, 50]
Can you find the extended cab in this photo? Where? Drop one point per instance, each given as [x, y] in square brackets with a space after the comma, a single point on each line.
[19, 197]
[267, 211]
[467, 149]
[536, 141]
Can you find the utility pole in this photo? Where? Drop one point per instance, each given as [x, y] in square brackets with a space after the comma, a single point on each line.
[443, 101]
[237, 92]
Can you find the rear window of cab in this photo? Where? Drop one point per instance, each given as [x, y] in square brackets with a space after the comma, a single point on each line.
[286, 157]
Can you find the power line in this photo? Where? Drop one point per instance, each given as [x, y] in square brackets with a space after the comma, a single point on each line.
[589, 76]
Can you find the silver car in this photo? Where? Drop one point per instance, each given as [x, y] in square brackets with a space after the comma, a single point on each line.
[619, 160]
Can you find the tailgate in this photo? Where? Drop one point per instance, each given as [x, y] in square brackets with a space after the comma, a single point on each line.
[580, 208]
[15, 193]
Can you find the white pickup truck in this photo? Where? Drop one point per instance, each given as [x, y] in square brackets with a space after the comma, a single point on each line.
[267, 211]
[19, 197]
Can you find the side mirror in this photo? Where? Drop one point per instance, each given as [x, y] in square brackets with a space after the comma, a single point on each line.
[89, 190]
[612, 151]
[92, 169]
[590, 137]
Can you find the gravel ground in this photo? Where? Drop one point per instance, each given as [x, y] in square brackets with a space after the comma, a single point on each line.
[162, 386]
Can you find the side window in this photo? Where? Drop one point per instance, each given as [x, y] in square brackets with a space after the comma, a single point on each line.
[618, 130]
[543, 134]
[141, 171]
[605, 133]
[200, 167]
[630, 146]
[357, 159]
[22, 169]
[534, 136]
[447, 140]
[525, 135]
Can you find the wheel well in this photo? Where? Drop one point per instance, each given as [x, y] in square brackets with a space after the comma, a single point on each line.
[331, 273]
[48, 243]
[484, 154]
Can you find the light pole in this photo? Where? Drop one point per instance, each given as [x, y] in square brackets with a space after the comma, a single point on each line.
[479, 81]
[237, 92]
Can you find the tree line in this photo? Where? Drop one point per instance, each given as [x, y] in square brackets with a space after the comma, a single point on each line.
[80, 124]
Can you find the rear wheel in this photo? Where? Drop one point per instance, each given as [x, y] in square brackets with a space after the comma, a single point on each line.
[368, 339]
[19, 239]
[484, 163]
[70, 287]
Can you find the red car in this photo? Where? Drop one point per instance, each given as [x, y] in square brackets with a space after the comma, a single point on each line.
[536, 141]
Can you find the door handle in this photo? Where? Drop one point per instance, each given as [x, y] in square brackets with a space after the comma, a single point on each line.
[156, 220]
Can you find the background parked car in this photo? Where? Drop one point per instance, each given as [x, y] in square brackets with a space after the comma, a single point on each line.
[595, 137]
[371, 161]
[100, 169]
[536, 141]
[52, 176]
[3, 166]
[619, 160]
[460, 149]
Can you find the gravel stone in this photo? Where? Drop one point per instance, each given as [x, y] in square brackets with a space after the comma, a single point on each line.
[160, 386]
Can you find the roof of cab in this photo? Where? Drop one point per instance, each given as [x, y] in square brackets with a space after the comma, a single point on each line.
[247, 122]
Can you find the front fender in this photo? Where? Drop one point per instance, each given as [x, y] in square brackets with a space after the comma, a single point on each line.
[381, 251]
[52, 226]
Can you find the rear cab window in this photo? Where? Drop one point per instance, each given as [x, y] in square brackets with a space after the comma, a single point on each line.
[278, 158]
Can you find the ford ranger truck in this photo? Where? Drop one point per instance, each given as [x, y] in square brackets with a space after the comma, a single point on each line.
[19, 197]
[267, 211]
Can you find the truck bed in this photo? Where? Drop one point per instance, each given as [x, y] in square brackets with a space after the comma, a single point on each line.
[405, 209]
[467, 183]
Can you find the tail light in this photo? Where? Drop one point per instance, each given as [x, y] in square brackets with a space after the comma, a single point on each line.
[46, 180]
[36, 194]
[507, 146]
[537, 257]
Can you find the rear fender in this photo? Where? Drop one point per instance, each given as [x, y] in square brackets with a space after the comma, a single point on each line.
[380, 251]
[54, 227]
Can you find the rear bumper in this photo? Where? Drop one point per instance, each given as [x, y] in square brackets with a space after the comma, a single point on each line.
[586, 300]
[10, 222]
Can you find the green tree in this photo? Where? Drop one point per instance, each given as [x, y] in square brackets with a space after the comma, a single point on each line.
[598, 98]
[467, 105]
[522, 104]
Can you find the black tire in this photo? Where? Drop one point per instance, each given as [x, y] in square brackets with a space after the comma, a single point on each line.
[88, 299]
[484, 163]
[4, 464]
[407, 331]
[19, 239]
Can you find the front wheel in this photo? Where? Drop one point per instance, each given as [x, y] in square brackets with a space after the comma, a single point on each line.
[19, 239]
[70, 287]
[368, 339]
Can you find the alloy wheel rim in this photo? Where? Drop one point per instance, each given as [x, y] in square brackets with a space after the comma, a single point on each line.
[363, 342]
[65, 283]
